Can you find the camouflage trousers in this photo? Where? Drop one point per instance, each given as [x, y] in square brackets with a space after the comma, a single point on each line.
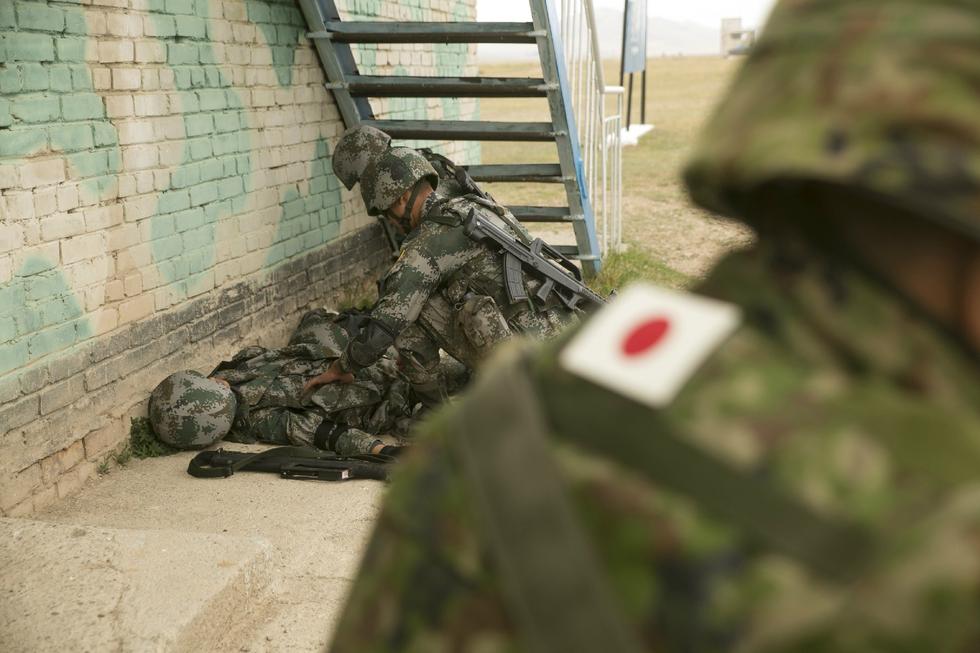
[468, 331]
[300, 431]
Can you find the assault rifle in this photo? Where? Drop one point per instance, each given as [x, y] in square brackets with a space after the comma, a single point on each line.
[558, 274]
[291, 463]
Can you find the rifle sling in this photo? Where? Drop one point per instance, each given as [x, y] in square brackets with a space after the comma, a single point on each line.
[644, 442]
[549, 572]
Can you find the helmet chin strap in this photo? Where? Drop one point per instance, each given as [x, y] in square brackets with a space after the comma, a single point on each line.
[406, 216]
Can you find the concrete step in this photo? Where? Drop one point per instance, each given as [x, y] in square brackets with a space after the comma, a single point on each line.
[85, 588]
[313, 533]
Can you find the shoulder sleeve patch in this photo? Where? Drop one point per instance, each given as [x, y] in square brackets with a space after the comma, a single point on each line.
[649, 341]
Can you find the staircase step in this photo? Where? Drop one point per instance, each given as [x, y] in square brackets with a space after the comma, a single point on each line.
[543, 214]
[572, 252]
[405, 86]
[426, 32]
[507, 172]
[465, 130]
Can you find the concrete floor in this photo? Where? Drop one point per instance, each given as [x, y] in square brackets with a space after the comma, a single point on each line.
[159, 560]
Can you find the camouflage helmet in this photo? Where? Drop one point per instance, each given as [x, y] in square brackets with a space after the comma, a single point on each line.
[190, 411]
[876, 98]
[324, 329]
[355, 149]
[388, 177]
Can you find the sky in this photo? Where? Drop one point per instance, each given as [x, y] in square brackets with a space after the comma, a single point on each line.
[704, 12]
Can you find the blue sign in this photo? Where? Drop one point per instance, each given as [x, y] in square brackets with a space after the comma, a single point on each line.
[635, 36]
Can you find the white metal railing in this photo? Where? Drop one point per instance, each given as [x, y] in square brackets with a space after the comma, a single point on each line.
[599, 128]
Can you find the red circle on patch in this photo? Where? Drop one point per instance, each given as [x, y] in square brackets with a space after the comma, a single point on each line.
[646, 336]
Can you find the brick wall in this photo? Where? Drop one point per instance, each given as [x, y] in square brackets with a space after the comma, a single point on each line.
[165, 199]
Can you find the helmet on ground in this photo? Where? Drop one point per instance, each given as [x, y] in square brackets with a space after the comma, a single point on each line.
[355, 149]
[190, 411]
[387, 178]
[875, 99]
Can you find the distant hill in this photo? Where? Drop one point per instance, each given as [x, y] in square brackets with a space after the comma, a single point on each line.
[664, 37]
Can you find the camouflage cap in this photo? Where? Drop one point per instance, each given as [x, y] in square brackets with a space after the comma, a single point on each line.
[878, 97]
[390, 175]
[355, 149]
[190, 411]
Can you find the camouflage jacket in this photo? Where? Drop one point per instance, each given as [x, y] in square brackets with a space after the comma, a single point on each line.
[450, 186]
[437, 256]
[853, 416]
[268, 384]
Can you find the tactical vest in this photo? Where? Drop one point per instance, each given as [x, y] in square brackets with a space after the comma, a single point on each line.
[482, 274]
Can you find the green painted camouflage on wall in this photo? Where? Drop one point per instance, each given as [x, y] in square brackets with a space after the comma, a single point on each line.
[311, 218]
[49, 104]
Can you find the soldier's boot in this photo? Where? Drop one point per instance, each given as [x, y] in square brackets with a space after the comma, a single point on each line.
[355, 442]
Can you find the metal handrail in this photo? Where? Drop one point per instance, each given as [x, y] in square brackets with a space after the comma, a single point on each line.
[599, 133]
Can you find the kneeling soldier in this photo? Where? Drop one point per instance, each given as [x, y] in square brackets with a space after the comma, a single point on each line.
[468, 277]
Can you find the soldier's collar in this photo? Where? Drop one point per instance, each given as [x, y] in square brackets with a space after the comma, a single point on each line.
[861, 320]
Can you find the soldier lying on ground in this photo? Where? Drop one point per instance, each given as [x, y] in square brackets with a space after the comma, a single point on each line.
[787, 461]
[448, 290]
[258, 396]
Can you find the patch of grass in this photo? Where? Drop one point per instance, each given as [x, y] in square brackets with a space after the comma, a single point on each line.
[143, 443]
[103, 467]
[362, 297]
[362, 301]
[123, 456]
[619, 269]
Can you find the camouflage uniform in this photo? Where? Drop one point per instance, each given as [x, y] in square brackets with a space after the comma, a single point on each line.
[268, 385]
[814, 484]
[446, 290]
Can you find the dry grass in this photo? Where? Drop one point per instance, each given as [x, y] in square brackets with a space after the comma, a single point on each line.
[659, 221]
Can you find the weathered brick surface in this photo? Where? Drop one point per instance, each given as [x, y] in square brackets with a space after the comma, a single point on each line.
[166, 197]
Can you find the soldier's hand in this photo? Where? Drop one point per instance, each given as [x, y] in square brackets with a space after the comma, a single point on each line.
[332, 375]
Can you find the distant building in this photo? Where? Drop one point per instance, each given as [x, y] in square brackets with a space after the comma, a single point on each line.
[734, 39]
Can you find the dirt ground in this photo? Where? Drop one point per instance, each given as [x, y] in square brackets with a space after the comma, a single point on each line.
[658, 219]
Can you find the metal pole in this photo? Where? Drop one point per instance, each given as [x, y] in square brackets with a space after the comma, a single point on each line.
[629, 103]
[643, 96]
[622, 53]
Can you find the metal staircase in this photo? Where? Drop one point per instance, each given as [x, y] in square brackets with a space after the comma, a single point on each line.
[333, 38]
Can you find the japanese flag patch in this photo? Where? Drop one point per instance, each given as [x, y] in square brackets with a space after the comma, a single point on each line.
[649, 341]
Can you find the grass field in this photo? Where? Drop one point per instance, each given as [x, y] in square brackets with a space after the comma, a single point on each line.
[669, 240]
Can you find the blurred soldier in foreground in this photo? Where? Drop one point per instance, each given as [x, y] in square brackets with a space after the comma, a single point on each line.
[459, 284]
[787, 461]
